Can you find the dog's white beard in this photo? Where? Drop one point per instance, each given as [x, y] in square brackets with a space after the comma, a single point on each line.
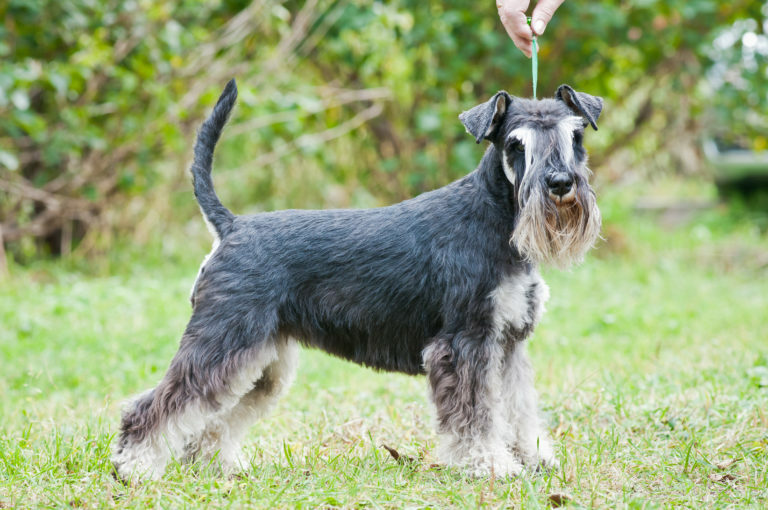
[558, 235]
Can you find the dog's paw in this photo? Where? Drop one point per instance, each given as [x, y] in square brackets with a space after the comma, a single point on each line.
[133, 473]
[136, 462]
[499, 465]
[546, 462]
[538, 457]
[234, 464]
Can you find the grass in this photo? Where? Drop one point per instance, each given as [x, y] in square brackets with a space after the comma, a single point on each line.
[652, 365]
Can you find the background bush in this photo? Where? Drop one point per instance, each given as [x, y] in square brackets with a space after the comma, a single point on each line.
[343, 103]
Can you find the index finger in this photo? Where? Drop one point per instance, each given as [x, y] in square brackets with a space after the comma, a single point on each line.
[512, 14]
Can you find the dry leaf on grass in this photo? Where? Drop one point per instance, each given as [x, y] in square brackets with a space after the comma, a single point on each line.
[396, 455]
[725, 464]
[557, 499]
[724, 477]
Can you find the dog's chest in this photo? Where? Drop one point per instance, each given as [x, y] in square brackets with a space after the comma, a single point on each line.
[518, 304]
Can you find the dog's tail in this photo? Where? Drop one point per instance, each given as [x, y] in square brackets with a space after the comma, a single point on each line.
[214, 211]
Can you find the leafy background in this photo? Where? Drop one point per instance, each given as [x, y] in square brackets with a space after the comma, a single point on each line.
[343, 103]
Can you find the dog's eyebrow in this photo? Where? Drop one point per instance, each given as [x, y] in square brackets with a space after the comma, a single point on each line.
[565, 130]
[522, 133]
[572, 123]
[527, 137]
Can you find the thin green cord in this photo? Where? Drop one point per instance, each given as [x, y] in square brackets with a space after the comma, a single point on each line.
[534, 63]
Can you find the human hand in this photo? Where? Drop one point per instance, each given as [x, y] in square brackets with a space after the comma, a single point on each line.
[512, 14]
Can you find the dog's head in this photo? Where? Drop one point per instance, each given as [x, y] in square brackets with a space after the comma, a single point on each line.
[543, 159]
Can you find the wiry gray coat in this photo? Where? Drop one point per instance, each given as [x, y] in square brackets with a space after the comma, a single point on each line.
[431, 284]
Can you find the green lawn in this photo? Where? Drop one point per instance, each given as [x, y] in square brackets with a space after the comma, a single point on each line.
[652, 365]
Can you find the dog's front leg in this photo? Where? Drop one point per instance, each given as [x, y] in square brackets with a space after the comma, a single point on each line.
[464, 376]
[525, 432]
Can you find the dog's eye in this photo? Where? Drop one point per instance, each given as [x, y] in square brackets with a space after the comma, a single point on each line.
[578, 137]
[518, 147]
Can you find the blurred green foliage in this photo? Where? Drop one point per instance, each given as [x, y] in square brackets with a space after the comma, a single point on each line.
[343, 103]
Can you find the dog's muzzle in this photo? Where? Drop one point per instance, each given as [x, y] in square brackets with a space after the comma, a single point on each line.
[561, 187]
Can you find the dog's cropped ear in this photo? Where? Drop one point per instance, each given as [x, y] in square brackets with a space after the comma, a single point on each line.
[483, 120]
[580, 103]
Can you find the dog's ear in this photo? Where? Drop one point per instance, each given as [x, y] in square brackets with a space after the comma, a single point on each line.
[483, 120]
[580, 103]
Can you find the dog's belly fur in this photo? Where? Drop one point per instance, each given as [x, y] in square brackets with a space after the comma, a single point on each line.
[372, 286]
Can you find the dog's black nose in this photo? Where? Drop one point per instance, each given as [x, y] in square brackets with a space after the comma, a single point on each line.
[559, 183]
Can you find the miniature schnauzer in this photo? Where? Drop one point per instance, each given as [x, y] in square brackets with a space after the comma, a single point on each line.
[445, 284]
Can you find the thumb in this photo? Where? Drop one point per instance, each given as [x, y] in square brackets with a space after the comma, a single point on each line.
[543, 12]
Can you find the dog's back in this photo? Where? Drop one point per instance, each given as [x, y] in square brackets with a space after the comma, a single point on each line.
[372, 286]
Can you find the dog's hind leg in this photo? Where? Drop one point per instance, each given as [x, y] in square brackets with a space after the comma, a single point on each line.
[464, 376]
[220, 442]
[218, 361]
[525, 433]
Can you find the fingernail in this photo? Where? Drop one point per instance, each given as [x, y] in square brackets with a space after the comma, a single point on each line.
[539, 26]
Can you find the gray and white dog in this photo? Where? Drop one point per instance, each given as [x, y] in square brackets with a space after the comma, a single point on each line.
[445, 284]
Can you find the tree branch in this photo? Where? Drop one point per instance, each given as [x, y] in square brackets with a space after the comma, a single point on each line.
[316, 138]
